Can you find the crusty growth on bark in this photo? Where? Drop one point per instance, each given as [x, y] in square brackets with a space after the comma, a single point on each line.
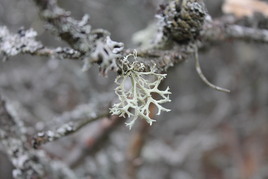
[181, 21]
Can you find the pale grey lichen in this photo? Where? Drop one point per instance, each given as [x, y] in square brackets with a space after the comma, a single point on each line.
[135, 99]
[23, 41]
[105, 53]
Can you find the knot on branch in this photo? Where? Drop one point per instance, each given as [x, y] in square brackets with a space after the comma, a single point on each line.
[181, 20]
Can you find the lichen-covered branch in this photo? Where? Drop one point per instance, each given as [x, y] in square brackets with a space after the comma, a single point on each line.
[64, 130]
[164, 59]
[27, 162]
[217, 31]
[179, 25]
[185, 25]
[13, 142]
[70, 122]
[95, 46]
[74, 32]
[182, 24]
[23, 42]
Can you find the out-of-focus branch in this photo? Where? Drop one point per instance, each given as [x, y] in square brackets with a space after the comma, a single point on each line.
[134, 150]
[179, 25]
[75, 33]
[95, 142]
[183, 25]
[27, 162]
[13, 142]
[178, 22]
[95, 46]
[64, 130]
[136, 144]
[217, 31]
[24, 42]
[70, 122]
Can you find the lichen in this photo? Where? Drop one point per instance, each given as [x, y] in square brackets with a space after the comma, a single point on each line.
[23, 41]
[135, 99]
[105, 53]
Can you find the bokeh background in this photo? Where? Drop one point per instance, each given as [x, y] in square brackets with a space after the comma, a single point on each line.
[207, 134]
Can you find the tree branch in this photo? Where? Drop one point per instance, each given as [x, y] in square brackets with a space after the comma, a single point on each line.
[62, 131]
[218, 31]
[182, 24]
[24, 42]
[27, 162]
[136, 144]
[95, 46]
[70, 122]
[94, 143]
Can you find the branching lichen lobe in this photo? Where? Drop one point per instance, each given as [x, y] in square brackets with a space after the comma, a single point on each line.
[135, 98]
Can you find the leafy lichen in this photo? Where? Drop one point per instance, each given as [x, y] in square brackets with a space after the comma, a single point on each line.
[135, 99]
[105, 53]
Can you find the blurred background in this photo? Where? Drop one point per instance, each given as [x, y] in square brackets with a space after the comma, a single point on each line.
[207, 134]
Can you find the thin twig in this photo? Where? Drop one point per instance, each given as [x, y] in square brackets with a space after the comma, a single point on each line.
[202, 76]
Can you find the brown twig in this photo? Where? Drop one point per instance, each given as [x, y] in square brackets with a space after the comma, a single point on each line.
[137, 141]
